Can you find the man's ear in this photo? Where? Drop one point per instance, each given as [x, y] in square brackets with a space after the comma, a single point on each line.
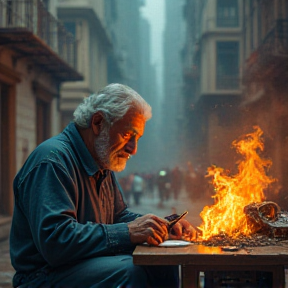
[96, 123]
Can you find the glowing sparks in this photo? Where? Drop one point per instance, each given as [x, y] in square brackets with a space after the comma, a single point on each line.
[233, 193]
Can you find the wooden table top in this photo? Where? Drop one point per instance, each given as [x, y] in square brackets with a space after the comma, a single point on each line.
[195, 254]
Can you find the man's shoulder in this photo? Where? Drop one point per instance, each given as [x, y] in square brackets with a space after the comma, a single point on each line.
[55, 150]
[54, 147]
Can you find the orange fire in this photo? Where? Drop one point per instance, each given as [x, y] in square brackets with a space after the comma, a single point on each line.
[234, 192]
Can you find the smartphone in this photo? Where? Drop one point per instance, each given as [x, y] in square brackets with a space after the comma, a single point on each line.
[173, 219]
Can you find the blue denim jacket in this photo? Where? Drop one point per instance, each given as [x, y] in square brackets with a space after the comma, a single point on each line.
[59, 215]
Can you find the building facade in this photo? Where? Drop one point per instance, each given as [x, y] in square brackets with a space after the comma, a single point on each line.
[172, 104]
[265, 83]
[85, 20]
[212, 60]
[36, 56]
[235, 78]
[123, 24]
[130, 64]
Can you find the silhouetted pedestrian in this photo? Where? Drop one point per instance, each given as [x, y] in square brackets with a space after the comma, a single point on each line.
[137, 188]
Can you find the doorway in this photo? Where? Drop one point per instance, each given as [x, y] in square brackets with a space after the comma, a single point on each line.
[4, 148]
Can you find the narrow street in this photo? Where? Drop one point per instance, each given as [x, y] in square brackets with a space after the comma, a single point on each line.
[148, 204]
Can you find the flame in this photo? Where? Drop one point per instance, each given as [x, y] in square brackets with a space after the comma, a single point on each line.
[234, 192]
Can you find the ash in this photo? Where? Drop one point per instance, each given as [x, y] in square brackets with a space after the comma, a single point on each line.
[242, 241]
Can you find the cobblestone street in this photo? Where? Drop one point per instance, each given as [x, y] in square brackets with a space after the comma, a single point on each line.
[148, 204]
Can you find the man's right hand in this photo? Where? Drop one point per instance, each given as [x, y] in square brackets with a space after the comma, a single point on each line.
[148, 228]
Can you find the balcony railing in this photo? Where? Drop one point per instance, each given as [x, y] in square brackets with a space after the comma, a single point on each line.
[274, 45]
[276, 41]
[270, 58]
[33, 16]
[226, 22]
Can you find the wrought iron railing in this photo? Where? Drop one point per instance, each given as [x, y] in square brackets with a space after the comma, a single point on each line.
[271, 56]
[276, 41]
[32, 15]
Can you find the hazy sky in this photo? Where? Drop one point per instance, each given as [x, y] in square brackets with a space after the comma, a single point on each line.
[154, 11]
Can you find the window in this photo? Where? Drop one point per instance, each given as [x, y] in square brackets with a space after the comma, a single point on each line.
[67, 46]
[43, 120]
[4, 148]
[9, 13]
[227, 74]
[259, 26]
[70, 27]
[227, 13]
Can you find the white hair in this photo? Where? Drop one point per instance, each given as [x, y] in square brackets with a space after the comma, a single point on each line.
[113, 101]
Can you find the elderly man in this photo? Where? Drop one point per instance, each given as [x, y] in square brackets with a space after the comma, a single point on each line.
[71, 226]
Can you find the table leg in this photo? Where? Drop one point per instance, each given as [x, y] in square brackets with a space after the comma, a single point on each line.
[190, 277]
[279, 277]
[190, 274]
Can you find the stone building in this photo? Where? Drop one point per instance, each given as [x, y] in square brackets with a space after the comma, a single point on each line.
[36, 57]
[235, 71]
[85, 20]
[212, 70]
[172, 103]
[265, 83]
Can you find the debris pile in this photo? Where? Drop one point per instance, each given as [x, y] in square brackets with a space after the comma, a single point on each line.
[268, 224]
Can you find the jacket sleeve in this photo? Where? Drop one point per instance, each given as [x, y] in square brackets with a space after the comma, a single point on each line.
[126, 216]
[47, 197]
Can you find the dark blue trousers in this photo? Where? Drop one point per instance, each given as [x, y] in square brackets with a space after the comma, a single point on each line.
[107, 272]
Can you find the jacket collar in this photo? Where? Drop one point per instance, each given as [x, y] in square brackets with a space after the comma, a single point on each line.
[81, 150]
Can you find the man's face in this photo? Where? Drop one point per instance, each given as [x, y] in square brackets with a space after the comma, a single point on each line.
[114, 146]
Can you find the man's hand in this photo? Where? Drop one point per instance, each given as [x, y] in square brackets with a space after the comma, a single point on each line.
[148, 228]
[183, 230]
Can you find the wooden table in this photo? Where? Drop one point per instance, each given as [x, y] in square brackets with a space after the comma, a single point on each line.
[196, 258]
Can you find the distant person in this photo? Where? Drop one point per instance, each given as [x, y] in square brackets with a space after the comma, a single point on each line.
[164, 186]
[71, 226]
[150, 182]
[137, 188]
[176, 181]
[196, 185]
[191, 181]
[126, 184]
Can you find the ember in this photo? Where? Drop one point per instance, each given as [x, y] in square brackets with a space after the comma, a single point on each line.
[241, 241]
[225, 222]
[268, 223]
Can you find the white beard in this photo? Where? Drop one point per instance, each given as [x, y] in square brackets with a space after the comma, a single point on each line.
[106, 158]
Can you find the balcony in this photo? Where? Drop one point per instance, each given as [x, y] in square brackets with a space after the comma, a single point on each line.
[29, 29]
[270, 59]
